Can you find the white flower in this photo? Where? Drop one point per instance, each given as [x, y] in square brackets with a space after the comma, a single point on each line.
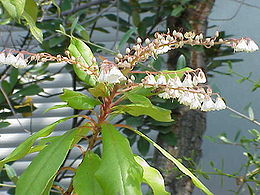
[161, 80]
[247, 45]
[186, 98]
[2, 58]
[201, 78]
[252, 46]
[10, 59]
[114, 75]
[177, 81]
[195, 104]
[162, 50]
[20, 61]
[164, 95]
[187, 82]
[208, 104]
[149, 80]
[195, 80]
[220, 104]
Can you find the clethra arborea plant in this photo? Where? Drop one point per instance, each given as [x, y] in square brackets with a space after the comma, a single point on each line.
[113, 90]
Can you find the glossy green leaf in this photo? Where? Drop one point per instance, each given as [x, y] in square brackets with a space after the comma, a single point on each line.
[24, 147]
[118, 172]
[152, 177]
[36, 32]
[73, 25]
[11, 173]
[181, 62]
[15, 8]
[78, 100]
[125, 38]
[4, 124]
[100, 90]
[143, 146]
[136, 98]
[14, 77]
[56, 107]
[29, 90]
[181, 167]
[179, 73]
[48, 187]
[32, 9]
[157, 113]
[84, 55]
[44, 166]
[84, 181]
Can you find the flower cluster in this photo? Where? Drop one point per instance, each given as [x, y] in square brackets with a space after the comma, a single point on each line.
[163, 42]
[109, 73]
[245, 44]
[187, 92]
[17, 61]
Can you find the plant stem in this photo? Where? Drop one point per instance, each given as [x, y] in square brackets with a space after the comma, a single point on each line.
[243, 116]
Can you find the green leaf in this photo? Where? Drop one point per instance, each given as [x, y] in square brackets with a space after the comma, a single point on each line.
[157, 113]
[14, 77]
[152, 177]
[84, 181]
[44, 166]
[4, 124]
[181, 167]
[179, 73]
[169, 138]
[32, 9]
[177, 11]
[24, 147]
[15, 8]
[84, 55]
[251, 113]
[27, 91]
[143, 146]
[78, 100]
[100, 90]
[73, 25]
[31, 22]
[125, 38]
[135, 98]
[118, 172]
[11, 173]
[181, 63]
[56, 107]
[48, 187]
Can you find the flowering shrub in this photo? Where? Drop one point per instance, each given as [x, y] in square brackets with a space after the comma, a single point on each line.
[114, 91]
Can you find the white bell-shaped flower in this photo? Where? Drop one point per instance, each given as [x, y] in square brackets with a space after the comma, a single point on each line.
[10, 59]
[114, 75]
[241, 45]
[208, 104]
[201, 78]
[220, 104]
[195, 104]
[187, 82]
[252, 46]
[161, 80]
[149, 80]
[2, 58]
[20, 61]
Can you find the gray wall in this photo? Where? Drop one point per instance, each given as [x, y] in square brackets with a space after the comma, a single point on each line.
[245, 24]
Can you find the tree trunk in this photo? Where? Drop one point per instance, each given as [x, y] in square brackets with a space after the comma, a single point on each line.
[190, 124]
